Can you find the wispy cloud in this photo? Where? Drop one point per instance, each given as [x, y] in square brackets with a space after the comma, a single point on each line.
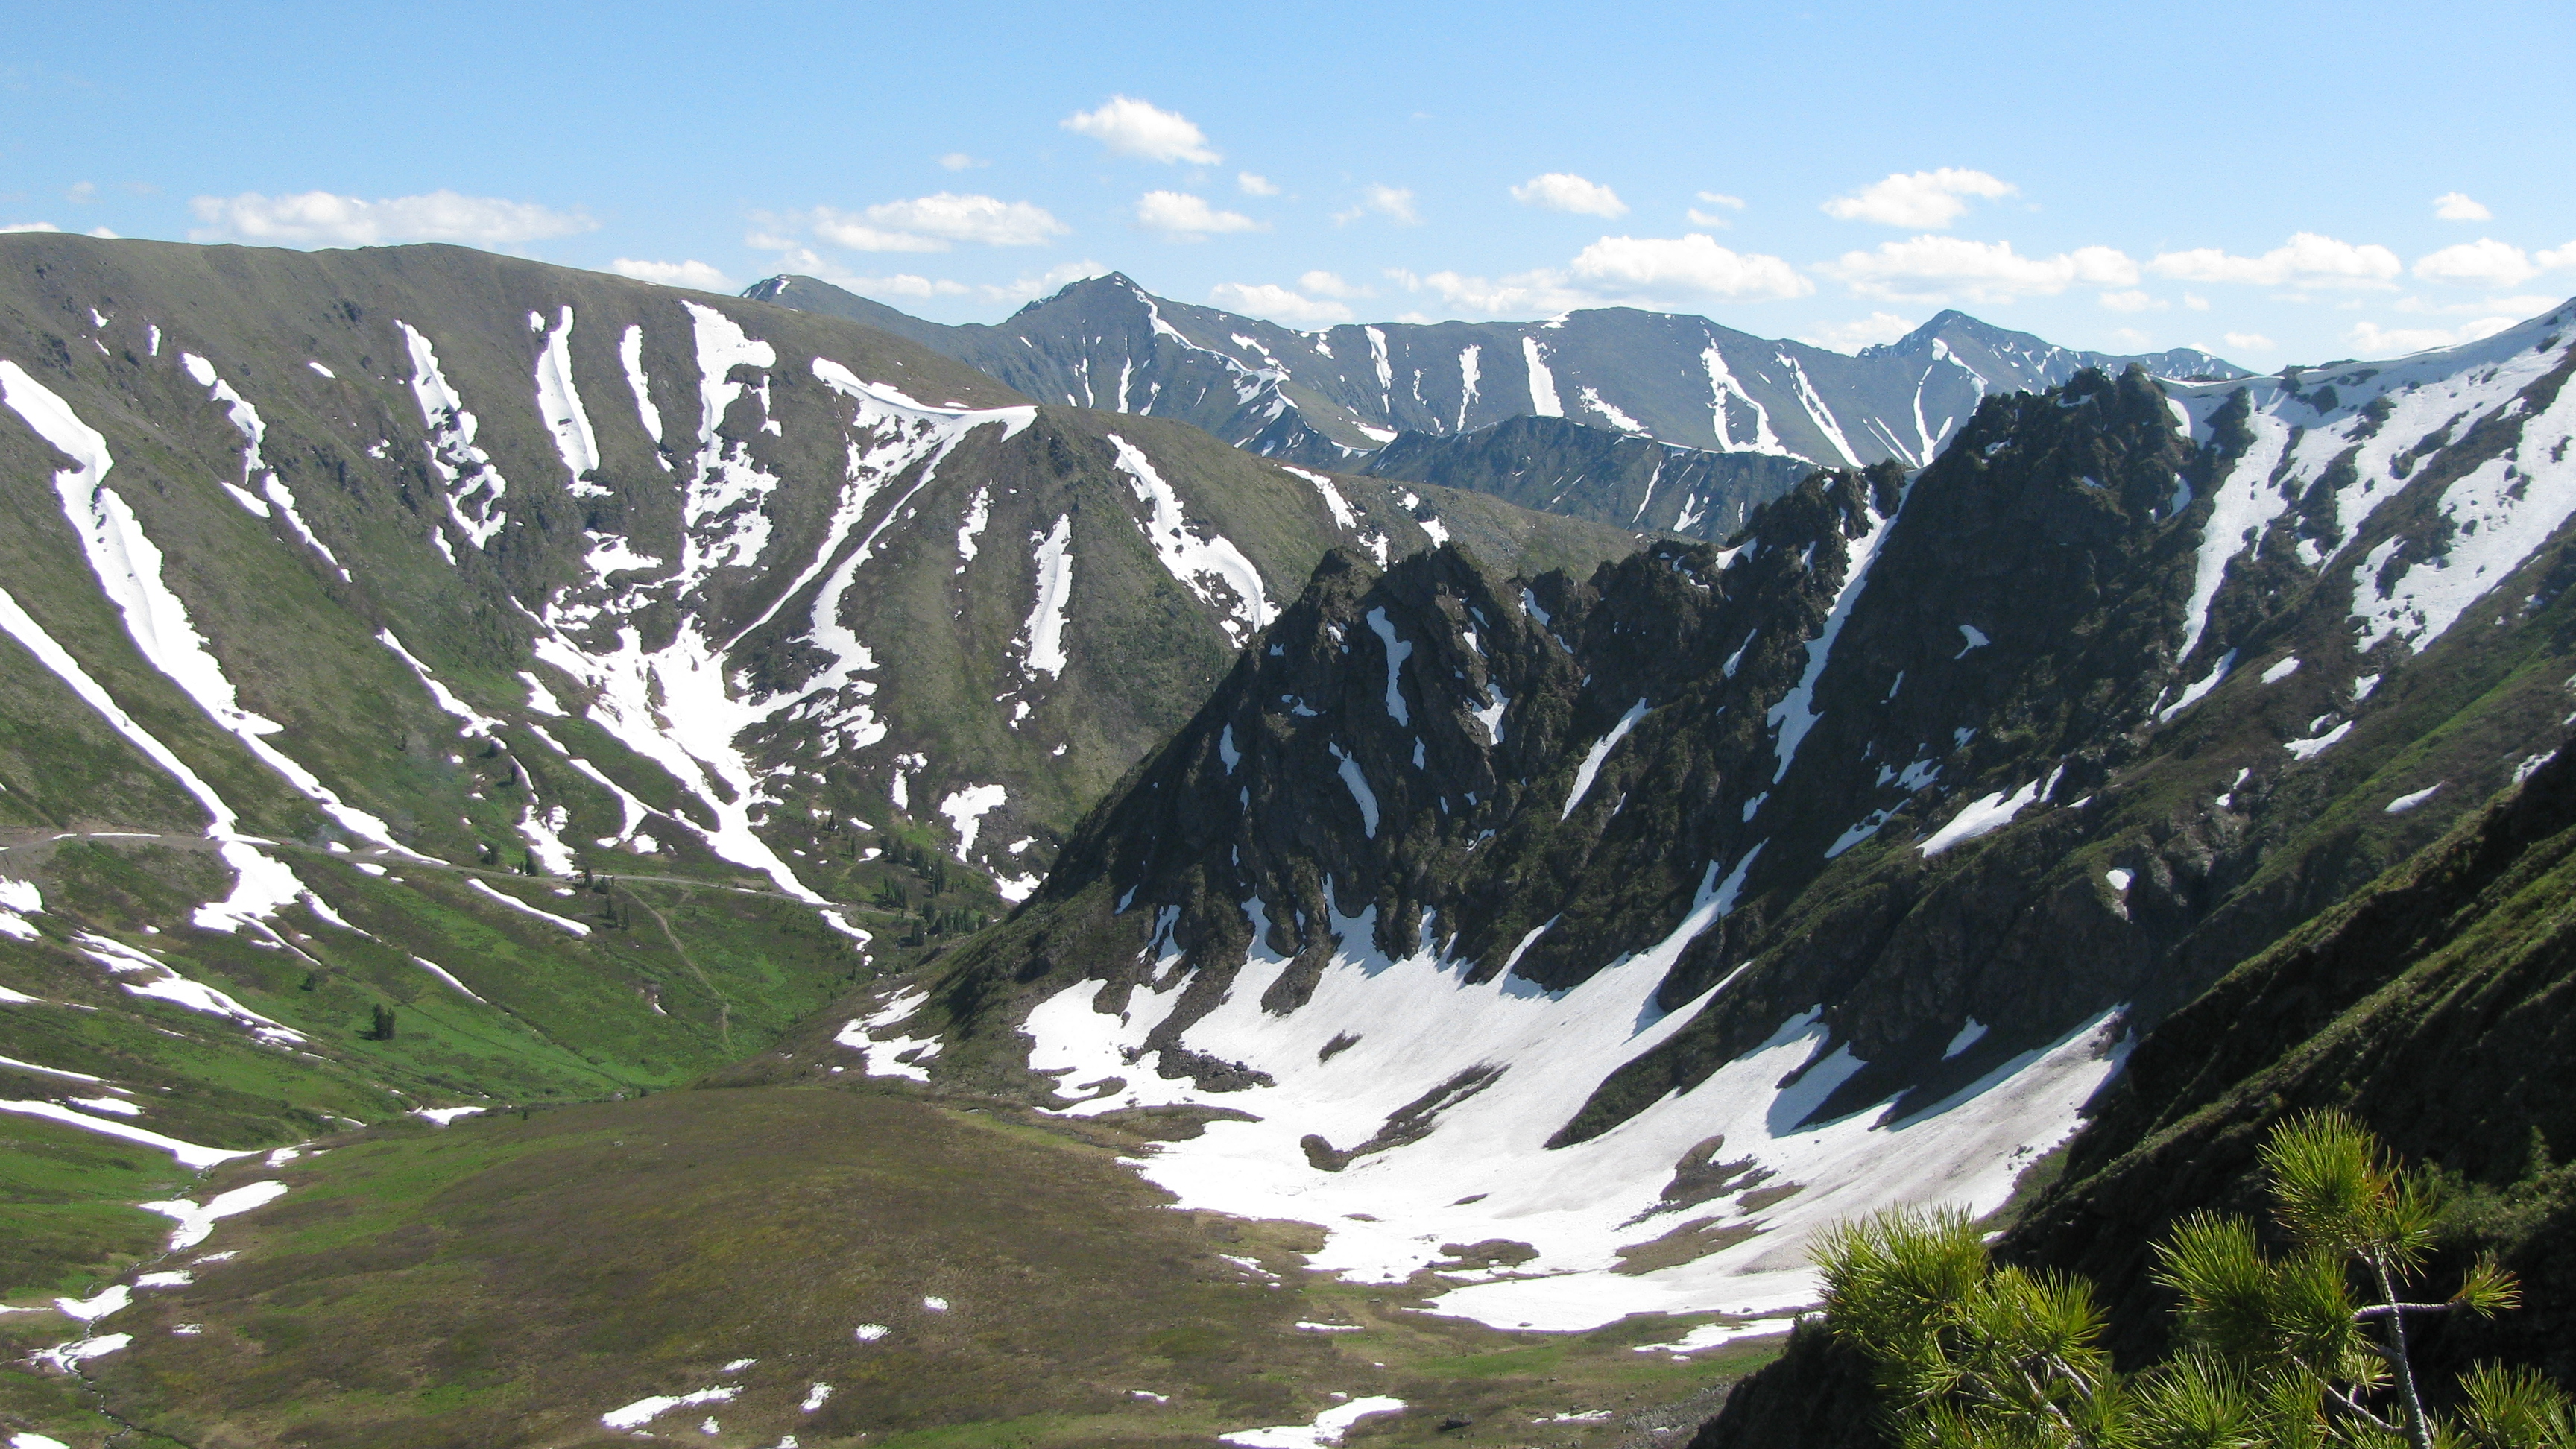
[1935, 269]
[1251, 184]
[1928, 199]
[1395, 203]
[1567, 192]
[935, 223]
[2372, 340]
[1868, 331]
[690, 273]
[1179, 216]
[2308, 261]
[1279, 304]
[328, 219]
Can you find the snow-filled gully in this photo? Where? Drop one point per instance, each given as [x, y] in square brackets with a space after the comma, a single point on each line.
[1515, 1061]
[678, 705]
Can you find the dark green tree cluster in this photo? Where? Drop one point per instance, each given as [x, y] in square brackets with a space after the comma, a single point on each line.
[2305, 1350]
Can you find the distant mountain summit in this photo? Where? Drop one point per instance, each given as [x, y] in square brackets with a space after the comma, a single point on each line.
[1321, 398]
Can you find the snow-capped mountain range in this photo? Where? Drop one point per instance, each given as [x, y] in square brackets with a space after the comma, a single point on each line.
[1323, 398]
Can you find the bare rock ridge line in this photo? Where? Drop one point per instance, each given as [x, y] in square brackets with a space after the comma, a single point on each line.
[1325, 398]
[1870, 841]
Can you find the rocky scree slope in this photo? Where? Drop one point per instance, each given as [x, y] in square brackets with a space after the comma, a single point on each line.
[1322, 397]
[1860, 843]
[366, 612]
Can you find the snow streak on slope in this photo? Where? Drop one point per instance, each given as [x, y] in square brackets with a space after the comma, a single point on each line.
[1041, 641]
[682, 704]
[1795, 714]
[128, 566]
[474, 488]
[1211, 567]
[255, 469]
[630, 353]
[1495, 1066]
[1542, 383]
[559, 404]
[1600, 751]
[1723, 387]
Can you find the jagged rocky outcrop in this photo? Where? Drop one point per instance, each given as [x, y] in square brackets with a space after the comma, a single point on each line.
[1874, 831]
[1319, 398]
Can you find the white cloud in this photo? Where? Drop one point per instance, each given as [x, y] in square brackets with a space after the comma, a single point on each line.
[81, 193]
[1691, 264]
[1330, 284]
[673, 274]
[17, 226]
[2195, 301]
[1540, 293]
[1254, 184]
[1869, 331]
[2248, 342]
[2485, 262]
[1565, 191]
[1937, 268]
[905, 284]
[1138, 128]
[794, 256]
[841, 229]
[1279, 304]
[2456, 206]
[2133, 300]
[2556, 259]
[1918, 198]
[1395, 203]
[934, 223]
[1714, 218]
[2308, 260]
[1180, 216]
[2376, 341]
[2523, 305]
[961, 161]
[332, 220]
[1044, 283]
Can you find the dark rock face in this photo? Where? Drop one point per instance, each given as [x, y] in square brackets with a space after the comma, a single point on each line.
[1827, 724]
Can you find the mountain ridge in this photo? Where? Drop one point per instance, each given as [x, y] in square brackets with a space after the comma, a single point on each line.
[1320, 397]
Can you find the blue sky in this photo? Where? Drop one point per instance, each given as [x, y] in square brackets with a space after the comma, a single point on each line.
[2264, 180]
